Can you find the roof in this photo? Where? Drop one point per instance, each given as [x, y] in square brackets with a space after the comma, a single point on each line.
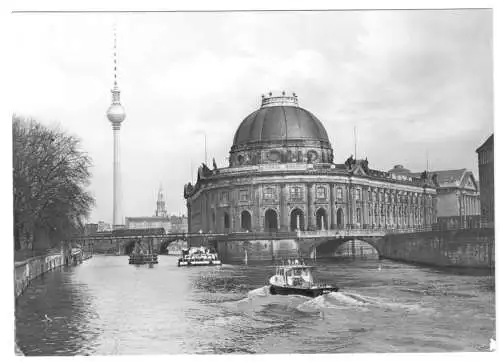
[147, 218]
[131, 232]
[455, 178]
[280, 123]
[399, 169]
[487, 144]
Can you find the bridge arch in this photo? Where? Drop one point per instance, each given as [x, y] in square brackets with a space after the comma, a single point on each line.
[271, 220]
[331, 246]
[297, 219]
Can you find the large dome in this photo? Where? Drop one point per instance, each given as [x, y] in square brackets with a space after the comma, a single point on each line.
[280, 119]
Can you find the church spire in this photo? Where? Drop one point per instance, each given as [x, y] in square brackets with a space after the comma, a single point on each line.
[161, 209]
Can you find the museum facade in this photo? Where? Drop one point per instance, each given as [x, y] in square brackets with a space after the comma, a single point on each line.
[282, 178]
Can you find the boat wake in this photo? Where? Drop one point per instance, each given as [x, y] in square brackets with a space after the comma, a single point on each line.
[262, 306]
[349, 300]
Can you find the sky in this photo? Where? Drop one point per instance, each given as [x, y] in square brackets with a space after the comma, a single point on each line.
[413, 83]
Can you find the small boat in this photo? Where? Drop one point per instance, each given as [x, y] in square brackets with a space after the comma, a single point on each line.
[297, 278]
[143, 259]
[142, 254]
[198, 257]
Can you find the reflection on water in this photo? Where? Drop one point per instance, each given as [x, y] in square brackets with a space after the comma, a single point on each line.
[106, 306]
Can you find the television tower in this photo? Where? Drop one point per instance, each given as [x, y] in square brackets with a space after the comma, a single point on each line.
[116, 115]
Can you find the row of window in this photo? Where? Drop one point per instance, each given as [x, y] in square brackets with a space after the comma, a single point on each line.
[297, 193]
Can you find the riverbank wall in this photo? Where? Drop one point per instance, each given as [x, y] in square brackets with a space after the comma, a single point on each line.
[27, 270]
[474, 248]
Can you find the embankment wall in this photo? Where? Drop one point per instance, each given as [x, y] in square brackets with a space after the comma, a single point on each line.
[473, 248]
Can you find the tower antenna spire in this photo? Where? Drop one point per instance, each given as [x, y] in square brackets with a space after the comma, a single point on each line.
[114, 55]
[116, 115]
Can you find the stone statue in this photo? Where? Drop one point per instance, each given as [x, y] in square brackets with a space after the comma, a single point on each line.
[364, 165]
[330, 156]
[435, 179]
[349, 162]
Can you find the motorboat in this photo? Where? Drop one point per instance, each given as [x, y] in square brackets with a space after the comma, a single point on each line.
[198, 257]
[295, 277]
[142, 254]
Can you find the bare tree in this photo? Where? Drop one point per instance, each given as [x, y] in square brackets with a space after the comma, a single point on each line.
[51, 174]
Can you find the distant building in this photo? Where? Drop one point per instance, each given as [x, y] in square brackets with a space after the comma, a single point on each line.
[147, 222]
[91, 229]
[172, 224]
[485, 156]
[179, 224]
[103, 226]
[457, 197]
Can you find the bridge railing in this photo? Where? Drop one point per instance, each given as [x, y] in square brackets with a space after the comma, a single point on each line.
[340, 233]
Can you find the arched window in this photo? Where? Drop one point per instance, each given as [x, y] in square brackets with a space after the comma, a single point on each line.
[340, 218]
[321, 219]
[358, 215]
[297, 220]
[271, 220]
[227, 223]
[246, 221]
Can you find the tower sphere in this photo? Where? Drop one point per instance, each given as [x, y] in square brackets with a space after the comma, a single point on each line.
[116, 113]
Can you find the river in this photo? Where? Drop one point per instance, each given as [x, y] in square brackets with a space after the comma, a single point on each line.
[106, 306]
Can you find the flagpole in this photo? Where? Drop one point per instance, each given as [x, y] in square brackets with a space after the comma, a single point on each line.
[205, 148]
[355, 144]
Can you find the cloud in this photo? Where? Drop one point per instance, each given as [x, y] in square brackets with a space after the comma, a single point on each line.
[410, 81]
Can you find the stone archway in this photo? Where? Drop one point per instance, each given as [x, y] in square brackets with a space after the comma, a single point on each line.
[340, 218]
[246, 221]
[297, 219]
[363, 247]
[321, 219]
[271, 220]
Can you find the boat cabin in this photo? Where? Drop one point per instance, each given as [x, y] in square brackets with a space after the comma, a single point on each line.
[298, 275]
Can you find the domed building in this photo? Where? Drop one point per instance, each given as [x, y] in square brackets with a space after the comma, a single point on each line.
[282, 178]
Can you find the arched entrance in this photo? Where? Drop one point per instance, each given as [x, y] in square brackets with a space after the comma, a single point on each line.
[246, 221]
[321, 219]
[297, 220]
[340, 218]
[271, 220]
[226, 221]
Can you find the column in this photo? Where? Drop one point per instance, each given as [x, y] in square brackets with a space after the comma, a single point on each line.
[333, 214]
[257, 219]
[283, 209]
[310, 206]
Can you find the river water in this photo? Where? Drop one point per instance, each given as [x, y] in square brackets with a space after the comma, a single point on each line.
[106, 306]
